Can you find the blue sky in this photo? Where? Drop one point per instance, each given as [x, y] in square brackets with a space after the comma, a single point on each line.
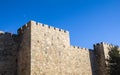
[89, 21]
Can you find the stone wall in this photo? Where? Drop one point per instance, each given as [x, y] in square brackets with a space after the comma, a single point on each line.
[8, 54]
[24, 56]
[101, 52]
[106, 48]
[77, 61]
[51, 53]
[93, 62]
[39, 49]
[47, 44]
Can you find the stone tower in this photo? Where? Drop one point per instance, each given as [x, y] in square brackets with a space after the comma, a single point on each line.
[45, 50]
[101, 54]
[24, 50]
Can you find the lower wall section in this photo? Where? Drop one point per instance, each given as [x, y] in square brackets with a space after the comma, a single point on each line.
[77, 61]
[60, 61]
[51, 53]
[24, 53]
[8, 52]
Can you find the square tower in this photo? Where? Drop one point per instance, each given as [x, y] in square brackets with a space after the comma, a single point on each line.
[101, 55]
[40, 49]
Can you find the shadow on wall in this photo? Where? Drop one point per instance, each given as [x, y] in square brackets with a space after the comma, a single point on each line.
[93, 62]
[8, 53]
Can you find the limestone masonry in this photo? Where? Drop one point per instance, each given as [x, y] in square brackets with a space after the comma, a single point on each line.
[39, 49]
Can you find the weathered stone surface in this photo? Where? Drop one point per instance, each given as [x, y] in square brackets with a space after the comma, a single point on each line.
[8, 54]
[39, 49]
[51, 53]
[101, 54]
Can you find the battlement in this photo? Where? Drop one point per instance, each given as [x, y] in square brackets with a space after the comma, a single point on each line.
[103, 43]
[7, 33]
[77, 47]
[27, 26]
[50, 27]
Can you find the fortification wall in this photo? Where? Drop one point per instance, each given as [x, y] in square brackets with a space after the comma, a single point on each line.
[101, 51]
[51, 53]
[76, 61]
[24, 56]
[107, 47]
[8, 54]
[47, 43]
[56, 35]
[39, 49]
[93, 62]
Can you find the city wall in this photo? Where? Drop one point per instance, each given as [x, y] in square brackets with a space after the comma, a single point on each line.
[39, 49]
[52, 54]
[8, 54]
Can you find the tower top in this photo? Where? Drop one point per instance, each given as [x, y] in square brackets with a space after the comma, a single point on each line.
[32, 22]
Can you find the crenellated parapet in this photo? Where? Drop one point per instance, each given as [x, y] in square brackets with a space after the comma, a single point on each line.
[50, 27]
[7, 33]
[103, 43]
[27, 26]
[80, 48]
[23, 28]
